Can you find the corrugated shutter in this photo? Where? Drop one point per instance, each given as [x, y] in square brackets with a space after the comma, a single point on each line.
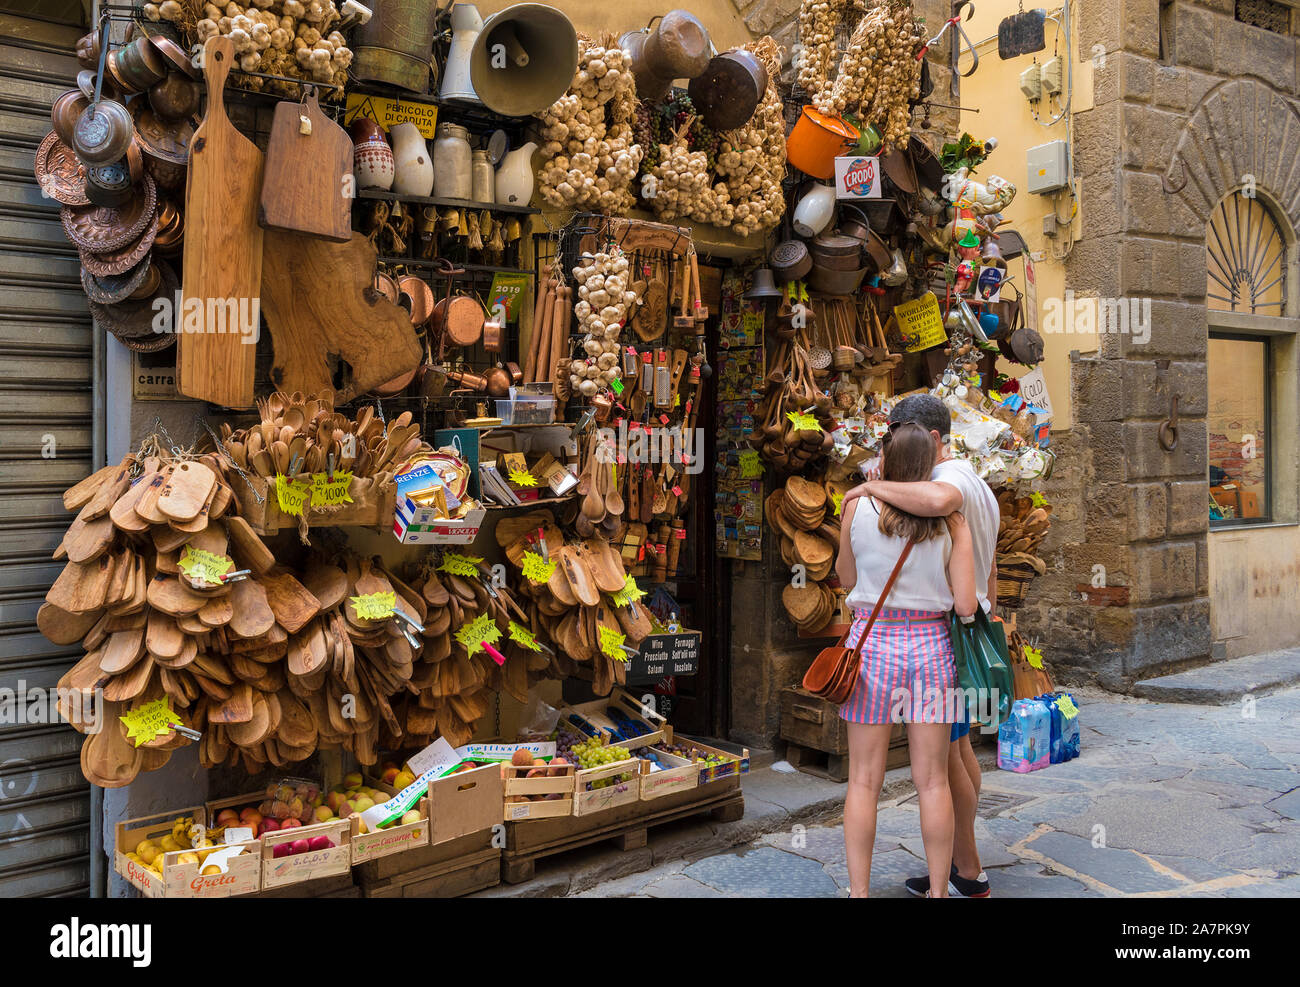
[46, 386]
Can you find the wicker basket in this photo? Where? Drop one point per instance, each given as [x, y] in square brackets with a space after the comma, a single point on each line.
[1015, 572]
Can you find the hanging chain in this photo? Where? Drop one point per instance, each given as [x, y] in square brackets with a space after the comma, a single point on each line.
[221, 451]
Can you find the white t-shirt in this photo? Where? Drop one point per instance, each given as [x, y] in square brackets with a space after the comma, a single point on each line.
[980, 508]
[923, 582]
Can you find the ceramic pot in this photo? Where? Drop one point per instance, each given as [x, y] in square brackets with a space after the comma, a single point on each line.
[453, 162]
[815, 210]
[515, 177]
[411, 160]
[372, 158]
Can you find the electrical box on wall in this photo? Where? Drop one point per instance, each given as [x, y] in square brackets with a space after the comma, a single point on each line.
[1051, 76]
[1047, 165]
[1031, 83]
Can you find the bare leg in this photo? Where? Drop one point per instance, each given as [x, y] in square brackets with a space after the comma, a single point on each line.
[928, 745]
[868, 745]
[964, 778]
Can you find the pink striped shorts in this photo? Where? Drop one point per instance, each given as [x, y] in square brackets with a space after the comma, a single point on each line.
[908, 672]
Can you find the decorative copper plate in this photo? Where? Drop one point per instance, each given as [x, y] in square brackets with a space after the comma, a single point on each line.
[165, 139]
[61, 176]
[169, 175]
[104, 265]
[106, 229]
[112, 288]
[135, 319]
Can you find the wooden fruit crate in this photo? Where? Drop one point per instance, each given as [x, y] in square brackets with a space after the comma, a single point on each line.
[594, 713]
[341, 886]
[516, 786]
[397, 838]
[370, 507]
[599, 799]
[462, 803]
[182, 880]
[312, 865]
[818, 740]
[444, 870]
[675, 774]
[733, 764]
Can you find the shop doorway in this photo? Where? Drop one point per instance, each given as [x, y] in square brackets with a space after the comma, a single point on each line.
[1251, 423]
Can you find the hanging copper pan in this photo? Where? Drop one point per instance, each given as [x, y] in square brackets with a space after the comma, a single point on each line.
[457, 319]
[387, 287]
[416, 297]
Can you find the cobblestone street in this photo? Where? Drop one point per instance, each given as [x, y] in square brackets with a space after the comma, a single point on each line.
[1167, 800]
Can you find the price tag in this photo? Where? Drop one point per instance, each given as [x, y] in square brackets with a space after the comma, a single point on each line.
[292, 497]
[751, 466]
[1033, 656]
[616, 386]
[611, 643]
[521, 635]
[629, 592]
[481, 628]
[459, 565]
[677, 491]
[1038, 499]
[375, 606]
[204, 567]
[1066, 705]
[838, 500]
[150, 721]
[803, 422]
[331, 493]
[522, 478]
[536, 569]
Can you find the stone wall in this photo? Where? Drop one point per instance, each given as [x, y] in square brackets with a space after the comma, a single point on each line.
[1217, 103]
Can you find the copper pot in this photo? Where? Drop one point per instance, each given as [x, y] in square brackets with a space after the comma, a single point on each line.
[456, 319]
[103, 132]
[497, 382]
[88, 50]
[729, 90]
[387, 287]
[138, 65]
[468, 379]
[65, 113]
[417, 298]
[175, 97]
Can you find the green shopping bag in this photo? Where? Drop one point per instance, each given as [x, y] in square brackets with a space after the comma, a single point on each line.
[983, 668]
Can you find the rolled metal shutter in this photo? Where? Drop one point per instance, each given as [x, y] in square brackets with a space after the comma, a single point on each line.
[46, 428]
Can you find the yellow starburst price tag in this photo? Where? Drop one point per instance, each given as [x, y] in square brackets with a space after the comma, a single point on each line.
[481, 628]
[611, 642]
[1066, 705]
[838, 500]
[326, 492]
[201, 566]
[290, 495]
[521, 635]
[459, 565]
[375, 606]
[1038, 499]
[536, 569]
[522, 478]
[803, 422]
[630, 592]
[751, 466]
[1033, 656]
[149, 722]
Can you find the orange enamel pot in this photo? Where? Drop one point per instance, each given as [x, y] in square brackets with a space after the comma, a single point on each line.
[816, 140]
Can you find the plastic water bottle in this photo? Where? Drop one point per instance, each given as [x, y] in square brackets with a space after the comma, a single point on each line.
[1025, 739]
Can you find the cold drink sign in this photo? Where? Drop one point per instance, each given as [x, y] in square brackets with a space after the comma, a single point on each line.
[665, 654]
[857, 177]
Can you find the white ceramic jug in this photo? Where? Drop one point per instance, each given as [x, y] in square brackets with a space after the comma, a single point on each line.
[465, 27]
[411, 160]
[814, 211]
[515, 176]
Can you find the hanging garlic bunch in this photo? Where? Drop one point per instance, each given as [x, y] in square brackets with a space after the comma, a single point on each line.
[751, 159]
[818, 22]
[879, 74]
[604, 299]
[681, 185]
[590, 158]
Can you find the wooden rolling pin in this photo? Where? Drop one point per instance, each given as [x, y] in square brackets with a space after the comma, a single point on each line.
[541, 318]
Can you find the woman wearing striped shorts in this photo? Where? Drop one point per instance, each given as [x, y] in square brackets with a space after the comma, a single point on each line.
[908, 674]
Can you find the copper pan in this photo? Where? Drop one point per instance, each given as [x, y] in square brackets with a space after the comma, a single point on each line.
[415, 295]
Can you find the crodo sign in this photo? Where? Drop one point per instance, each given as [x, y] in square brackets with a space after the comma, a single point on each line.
[665, 654]
[857, 177]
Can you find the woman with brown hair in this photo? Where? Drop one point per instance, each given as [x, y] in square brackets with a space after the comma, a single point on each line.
[908, 672]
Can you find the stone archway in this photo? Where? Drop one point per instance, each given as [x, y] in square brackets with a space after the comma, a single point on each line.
[1240, 128]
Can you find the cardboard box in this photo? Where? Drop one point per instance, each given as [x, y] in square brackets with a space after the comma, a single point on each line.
[415, 525]
[182, 880]
[312, 865]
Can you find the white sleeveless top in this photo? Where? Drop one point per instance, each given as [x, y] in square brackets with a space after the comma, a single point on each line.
[923, 582]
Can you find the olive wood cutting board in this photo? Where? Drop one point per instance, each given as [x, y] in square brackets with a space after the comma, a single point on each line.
[341, 314]
[223, 245]
[308, 161]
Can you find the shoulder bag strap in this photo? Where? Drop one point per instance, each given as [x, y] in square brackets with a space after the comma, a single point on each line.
[889, 585]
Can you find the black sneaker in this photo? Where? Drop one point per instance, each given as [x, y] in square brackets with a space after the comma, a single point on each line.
[958, 886]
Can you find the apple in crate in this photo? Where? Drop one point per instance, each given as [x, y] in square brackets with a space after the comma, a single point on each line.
[301, 846]
[290, 823]
[267, 825]
[321, 842]
[227, 817]
[282, 850]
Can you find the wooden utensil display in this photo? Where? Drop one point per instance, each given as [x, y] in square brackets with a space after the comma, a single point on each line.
[308, 160]
[341, 313]
[223, 246]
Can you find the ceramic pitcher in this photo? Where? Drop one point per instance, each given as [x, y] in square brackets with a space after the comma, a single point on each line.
[515, 176]
[412, 161]
[372, 158]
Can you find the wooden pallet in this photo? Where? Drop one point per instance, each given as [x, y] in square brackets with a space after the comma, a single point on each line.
[809, 760]
[626, 825]
[339, 886]
[442, 870]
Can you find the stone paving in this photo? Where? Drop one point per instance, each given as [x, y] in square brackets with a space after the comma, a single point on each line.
[1166, 800]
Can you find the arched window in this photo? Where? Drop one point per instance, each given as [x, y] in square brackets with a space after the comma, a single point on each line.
[1246, 259]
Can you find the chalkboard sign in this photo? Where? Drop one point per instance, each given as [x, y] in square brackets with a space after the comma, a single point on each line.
[1021, 34]
[665, 654]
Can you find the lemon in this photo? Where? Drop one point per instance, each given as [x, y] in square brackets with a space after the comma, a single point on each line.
[169, 844]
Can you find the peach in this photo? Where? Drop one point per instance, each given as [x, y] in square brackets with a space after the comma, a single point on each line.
[345, 810]
[335, 800]
[227, 817]
[362, 804]
[323, 813]
[388, 775]
[252, 820]
[353, 780]
[411, 816]
[403, 779]
[209, 870]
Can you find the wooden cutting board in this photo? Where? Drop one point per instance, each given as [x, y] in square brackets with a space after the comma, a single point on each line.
[223, 244]
[290, 601]
[339, 313]
[308, 160]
